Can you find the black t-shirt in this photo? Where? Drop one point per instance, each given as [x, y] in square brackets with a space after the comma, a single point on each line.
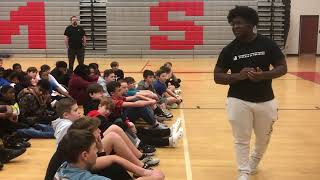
[119, 74]
[261, 52]
[75, 35]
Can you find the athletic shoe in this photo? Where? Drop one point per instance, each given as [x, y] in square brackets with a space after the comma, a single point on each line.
[177, 91]
[175, 127]
[243, 176]
[159, 118]
[253, 163]
[8, 154]
[173, 140]
[1, 165]
[148, 149]
[165, 116]
[150, 161]
[160, 126]
[167, 113]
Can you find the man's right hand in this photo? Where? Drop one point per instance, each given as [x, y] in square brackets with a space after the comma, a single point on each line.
[244, 73]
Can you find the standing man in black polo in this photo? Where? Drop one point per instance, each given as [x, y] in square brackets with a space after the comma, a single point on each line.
[250, 104]
[75, 41]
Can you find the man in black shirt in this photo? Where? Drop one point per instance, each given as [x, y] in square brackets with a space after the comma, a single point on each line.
[250, 102]
[75, 41]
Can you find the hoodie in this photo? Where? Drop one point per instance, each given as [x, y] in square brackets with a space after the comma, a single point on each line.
[60, 127]
[74, 173]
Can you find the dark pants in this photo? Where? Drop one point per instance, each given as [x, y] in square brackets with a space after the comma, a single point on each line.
[146, 113]
[72, 53]
[37, 131]
[7, 127]
[155, 137]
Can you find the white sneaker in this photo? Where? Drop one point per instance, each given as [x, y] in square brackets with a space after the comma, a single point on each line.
[175, 127]
[243, 176]
[253, 163]
[173, 140]
[177, 91]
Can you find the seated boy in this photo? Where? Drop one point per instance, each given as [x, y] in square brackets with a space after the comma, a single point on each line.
[172, 79]
[118, 72]
[103, 113]
[68, 111]
[162, 89]
[35, 110]
[108, 76]
[95, 93]
[81, 156]
[131, 107]
[129, 86]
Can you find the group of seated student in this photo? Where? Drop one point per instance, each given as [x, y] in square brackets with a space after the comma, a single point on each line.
[125, 120]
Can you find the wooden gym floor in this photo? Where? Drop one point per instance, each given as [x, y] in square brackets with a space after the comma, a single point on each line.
[206, 151]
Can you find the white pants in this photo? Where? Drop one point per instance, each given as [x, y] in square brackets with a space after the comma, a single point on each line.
[244, 117]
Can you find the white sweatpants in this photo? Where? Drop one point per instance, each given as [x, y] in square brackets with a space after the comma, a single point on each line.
[244, 117]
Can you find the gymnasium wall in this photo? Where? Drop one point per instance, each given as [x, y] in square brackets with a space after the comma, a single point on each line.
[298, 8]
[35, 26]
[134, 27]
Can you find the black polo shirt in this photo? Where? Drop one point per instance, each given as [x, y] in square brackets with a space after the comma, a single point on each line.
[75, 35]
[261, 52]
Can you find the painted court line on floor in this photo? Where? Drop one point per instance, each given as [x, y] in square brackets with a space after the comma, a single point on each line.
[185, 146]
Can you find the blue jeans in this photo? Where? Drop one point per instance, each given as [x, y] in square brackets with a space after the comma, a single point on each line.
[146, 113]
[38, 131]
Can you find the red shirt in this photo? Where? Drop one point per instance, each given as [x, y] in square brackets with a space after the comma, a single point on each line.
[118, 102]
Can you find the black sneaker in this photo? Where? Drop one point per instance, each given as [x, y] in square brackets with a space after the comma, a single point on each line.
[148, 149]
[167, 114]
[1, 165]
[14, 141]
[9, 154]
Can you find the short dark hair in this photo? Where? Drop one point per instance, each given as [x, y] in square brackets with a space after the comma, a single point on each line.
[4, 89]
[17, 75]
[64, 105]
[15, 65]
[114, 64]
[45, 67]
[167, 63]
[44, 85]
[74, 143]
[61, 64]
[32, 69]
[159, 72]
[129, 80]
[85, 123]
[249, 14]
[7, 73]
[72, 17]
[147, 73]
[107, 72]
[94, 88]
[165, 69]
[94, 65]
[82, 70]
[112, 86]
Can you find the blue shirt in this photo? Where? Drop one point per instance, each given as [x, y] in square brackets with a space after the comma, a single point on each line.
[73, 173]
[132, 92]
[160, 87]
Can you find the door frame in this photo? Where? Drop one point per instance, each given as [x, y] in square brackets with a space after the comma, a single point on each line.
[300, 27]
